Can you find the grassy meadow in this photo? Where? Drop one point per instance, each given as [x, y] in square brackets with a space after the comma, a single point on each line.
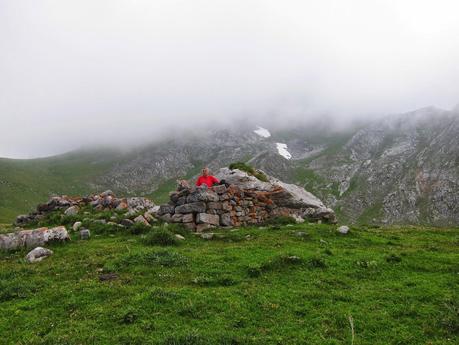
[278, 284]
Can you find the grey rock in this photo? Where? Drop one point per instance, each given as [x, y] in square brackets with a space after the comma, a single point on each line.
[187, 218]
[166, 208]
[38, 254]
[72, 211]
[107, 193]
[207, 235]
[179, 237]
[85, 234]
[141, 219]
[177, 218]
[76, 226]
[199, 207]
[203, 227]
[207, 218]
[127, 222]
[225, 219]
[343, 229]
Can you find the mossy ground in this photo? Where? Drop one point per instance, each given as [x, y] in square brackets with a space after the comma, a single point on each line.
[397, 285]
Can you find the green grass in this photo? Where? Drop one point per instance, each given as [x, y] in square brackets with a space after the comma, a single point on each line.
[265, 285]
[250, 170]
[25, 183]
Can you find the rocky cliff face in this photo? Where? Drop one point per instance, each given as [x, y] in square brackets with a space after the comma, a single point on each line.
[402, 169]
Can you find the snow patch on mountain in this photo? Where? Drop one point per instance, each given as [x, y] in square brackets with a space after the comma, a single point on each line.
[262, 132]
[282, 149]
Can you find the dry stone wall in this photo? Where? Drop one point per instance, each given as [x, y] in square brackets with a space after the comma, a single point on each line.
[245, 201]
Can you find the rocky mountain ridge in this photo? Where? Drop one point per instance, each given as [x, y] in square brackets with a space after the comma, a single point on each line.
[400, 169]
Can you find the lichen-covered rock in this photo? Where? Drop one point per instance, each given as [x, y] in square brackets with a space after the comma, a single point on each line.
[38, 254]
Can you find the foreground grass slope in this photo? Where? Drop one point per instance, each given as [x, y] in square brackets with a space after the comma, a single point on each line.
[250, 286]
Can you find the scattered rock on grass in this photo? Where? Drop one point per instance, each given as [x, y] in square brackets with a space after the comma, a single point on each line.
[141, 219]
[85, 234]
[343, 229]
[72, 211]
[207, 235]
[38, 254]
[127, 222]
[76, 226]
[179, 237]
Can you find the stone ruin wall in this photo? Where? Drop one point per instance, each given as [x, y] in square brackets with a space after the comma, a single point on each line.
[201, 208]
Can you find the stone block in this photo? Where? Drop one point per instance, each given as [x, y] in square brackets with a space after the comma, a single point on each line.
[187, 218]
[177, 218]
[163, 209]
[225, 219]
[212, 219]
[197, 207]
[212, 205]
[203, 227]
[219, 189]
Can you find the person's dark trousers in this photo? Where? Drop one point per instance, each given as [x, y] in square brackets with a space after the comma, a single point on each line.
[222, 182]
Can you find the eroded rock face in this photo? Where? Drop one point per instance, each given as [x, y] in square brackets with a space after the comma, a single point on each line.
[246, 200]
[33, 238]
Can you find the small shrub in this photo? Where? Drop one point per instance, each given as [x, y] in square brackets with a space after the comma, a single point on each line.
[161, 258]
[317, 262]
[278, 263]
[280, 220]
[218, 280]
[367, 264]
[249, 170]
[139, 228]
[450, 319]
[161, 237]
[393, 258]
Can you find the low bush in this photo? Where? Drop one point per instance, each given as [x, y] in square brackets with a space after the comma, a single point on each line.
[280, 220]
[250, 170]
[139, 228]
[278, 263]
[160, 237]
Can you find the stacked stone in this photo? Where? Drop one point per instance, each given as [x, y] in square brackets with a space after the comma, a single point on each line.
[201, 208]
[103, 201]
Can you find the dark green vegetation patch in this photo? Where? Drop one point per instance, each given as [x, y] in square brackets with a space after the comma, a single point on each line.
[249, 169]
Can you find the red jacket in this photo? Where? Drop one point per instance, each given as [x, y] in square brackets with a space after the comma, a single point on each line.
[209, 180]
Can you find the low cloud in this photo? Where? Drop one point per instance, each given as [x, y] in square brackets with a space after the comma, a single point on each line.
[79, 73]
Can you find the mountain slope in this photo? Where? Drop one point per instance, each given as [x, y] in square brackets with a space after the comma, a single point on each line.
[402, 169]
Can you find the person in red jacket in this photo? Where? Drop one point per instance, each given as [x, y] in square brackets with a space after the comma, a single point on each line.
[207, 179]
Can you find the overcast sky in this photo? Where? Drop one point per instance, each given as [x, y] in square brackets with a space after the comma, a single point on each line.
[81, 72]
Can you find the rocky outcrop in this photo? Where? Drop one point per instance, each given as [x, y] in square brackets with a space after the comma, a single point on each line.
[33, 238]
[72, 205]
[245, 200]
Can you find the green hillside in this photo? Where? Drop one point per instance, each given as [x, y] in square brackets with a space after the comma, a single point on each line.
[25, 183]
[271, 285]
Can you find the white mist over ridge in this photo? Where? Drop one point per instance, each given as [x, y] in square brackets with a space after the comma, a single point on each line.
[78, 73]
